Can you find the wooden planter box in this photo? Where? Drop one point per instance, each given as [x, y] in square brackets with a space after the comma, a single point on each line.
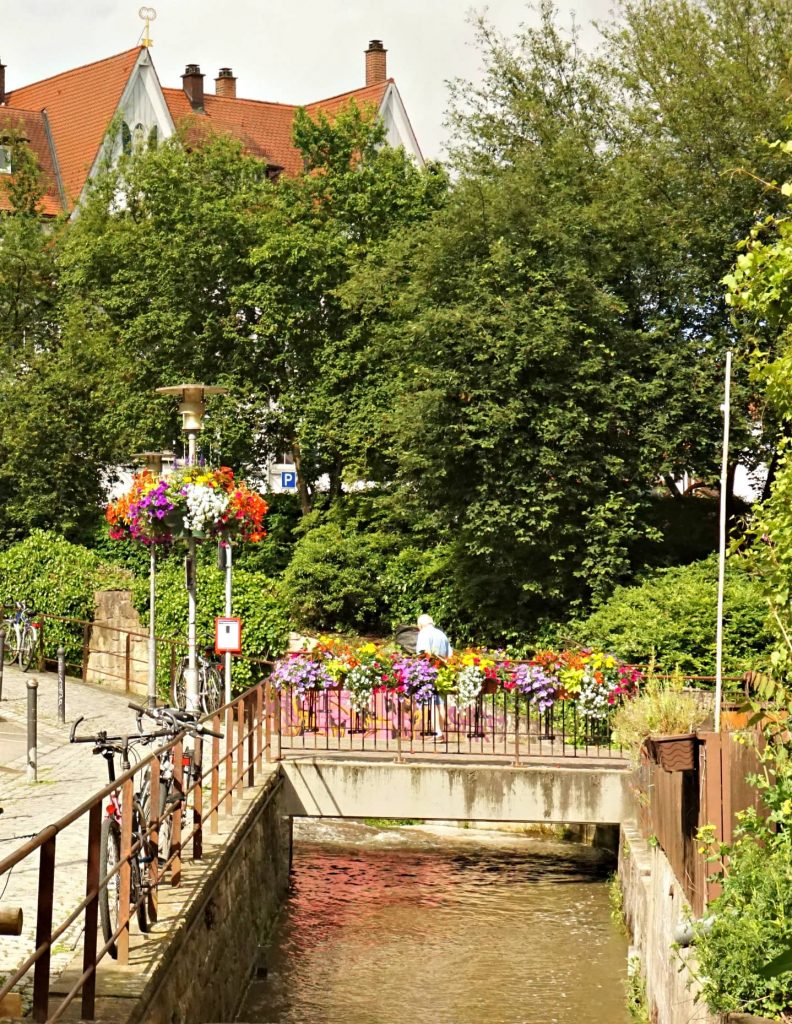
[673, 753]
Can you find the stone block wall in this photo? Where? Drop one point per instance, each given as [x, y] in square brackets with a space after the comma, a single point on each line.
[654, 904]
[114, 617]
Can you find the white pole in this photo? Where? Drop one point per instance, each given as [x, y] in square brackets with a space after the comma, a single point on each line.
[722, 552]
[152, 651]
[228, 613]
[191, 675]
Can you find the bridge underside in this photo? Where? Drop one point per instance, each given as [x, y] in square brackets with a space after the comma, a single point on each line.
[471, 792]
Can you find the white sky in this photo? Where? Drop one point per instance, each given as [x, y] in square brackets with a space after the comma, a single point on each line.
[293, 52]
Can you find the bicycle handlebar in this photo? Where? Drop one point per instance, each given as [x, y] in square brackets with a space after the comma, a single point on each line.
[102, 739]
[181, 720]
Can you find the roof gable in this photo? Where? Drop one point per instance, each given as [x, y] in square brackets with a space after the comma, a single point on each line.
[32, 126]
[80, 105]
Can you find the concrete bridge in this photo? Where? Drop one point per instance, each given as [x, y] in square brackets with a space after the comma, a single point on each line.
[549, 794]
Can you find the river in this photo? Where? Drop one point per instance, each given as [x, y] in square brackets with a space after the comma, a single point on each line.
[444, 926]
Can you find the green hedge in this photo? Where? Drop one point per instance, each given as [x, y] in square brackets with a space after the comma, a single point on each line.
[672, 614]
[57, 578]
[265, 626]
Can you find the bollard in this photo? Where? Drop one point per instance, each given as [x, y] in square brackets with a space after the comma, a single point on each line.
[32, 729]
[2, 660]
[61, 685]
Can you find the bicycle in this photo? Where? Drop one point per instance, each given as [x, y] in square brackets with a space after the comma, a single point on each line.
[171, 794]
[110, 841]
[21, 637]
[211, 689]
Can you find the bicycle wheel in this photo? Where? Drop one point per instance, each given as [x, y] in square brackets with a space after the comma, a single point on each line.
[109, 857]
[11, 648]
[138, 882]
[179, 687]
[27, 649]
[212, 689]
[170, 799]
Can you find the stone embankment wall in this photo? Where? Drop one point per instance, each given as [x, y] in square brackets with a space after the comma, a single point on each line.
[654, 904]
[211, 946]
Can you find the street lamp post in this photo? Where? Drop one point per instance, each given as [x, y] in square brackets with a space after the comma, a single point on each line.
[192, 408]
[153, 462]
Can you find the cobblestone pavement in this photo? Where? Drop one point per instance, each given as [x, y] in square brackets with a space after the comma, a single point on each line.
[66, 776]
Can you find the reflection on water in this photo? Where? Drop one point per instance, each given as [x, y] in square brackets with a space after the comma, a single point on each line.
[447, 934]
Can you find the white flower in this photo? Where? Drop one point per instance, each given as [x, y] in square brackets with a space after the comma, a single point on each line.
[205, 506]
[468, 686]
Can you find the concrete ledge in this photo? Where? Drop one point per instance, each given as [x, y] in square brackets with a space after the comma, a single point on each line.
[536, 793]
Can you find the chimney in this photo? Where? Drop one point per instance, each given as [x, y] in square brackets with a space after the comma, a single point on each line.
[376, 63]
[2, 84]
[225, 84]
[192, 83]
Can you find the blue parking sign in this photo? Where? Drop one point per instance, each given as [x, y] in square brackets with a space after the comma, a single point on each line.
[289, 480]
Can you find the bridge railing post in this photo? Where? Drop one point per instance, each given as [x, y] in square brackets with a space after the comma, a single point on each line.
[197, 774]
[259, 724]
[228, 760]
[516, 761]
[176, 826]
[239, 778]
[215, 783]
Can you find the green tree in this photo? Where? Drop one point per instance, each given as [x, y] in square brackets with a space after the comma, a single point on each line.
[308, 352]
[152, 262]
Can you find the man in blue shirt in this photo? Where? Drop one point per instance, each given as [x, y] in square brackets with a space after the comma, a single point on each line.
[432, 640]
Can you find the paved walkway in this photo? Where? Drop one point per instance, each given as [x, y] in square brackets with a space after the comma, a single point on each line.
[66, 776]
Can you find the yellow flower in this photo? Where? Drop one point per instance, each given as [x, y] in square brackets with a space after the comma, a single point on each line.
[368, 649]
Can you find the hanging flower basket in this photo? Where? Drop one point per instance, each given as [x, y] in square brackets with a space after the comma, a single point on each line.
[192, 503]
[673, 753]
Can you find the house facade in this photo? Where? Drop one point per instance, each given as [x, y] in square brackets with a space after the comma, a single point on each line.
[67, 119]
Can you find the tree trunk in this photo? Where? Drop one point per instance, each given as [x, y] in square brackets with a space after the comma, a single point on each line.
[335, 477]
[302, 484]
[731, 509]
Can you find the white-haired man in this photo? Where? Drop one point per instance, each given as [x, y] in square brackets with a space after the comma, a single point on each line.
[432, 640]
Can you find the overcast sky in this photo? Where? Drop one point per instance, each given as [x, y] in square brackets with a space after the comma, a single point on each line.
[294, 51]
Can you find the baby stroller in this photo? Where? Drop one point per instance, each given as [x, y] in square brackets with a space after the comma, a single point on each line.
[407, 637]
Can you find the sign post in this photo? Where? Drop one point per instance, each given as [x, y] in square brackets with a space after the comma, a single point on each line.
[228, 641]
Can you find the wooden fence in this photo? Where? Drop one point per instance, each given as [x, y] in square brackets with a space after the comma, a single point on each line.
[674, 805]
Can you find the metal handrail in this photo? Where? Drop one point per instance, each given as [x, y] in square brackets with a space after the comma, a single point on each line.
[247, 709]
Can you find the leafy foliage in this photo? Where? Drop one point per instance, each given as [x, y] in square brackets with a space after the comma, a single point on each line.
[333, 579]
[671, 616]
[265, 626]
[57, 578]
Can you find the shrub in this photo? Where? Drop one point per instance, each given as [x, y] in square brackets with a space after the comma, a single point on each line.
[265, 627]
[59, 578]
[672, 614]
[662, 708]
[334, 580]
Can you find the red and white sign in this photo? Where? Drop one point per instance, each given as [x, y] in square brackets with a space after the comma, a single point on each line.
[228, 635]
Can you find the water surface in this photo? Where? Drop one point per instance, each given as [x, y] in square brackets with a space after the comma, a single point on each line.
[444, 932]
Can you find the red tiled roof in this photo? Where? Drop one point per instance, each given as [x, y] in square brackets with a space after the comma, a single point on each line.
[265, 129]
[80, 105]
[30, 125]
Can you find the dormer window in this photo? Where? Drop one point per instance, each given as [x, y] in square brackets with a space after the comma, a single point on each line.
[5, 160]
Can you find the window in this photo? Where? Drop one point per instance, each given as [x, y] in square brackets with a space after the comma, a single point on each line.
[153, 137]
[5, 160]
[126, 138]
